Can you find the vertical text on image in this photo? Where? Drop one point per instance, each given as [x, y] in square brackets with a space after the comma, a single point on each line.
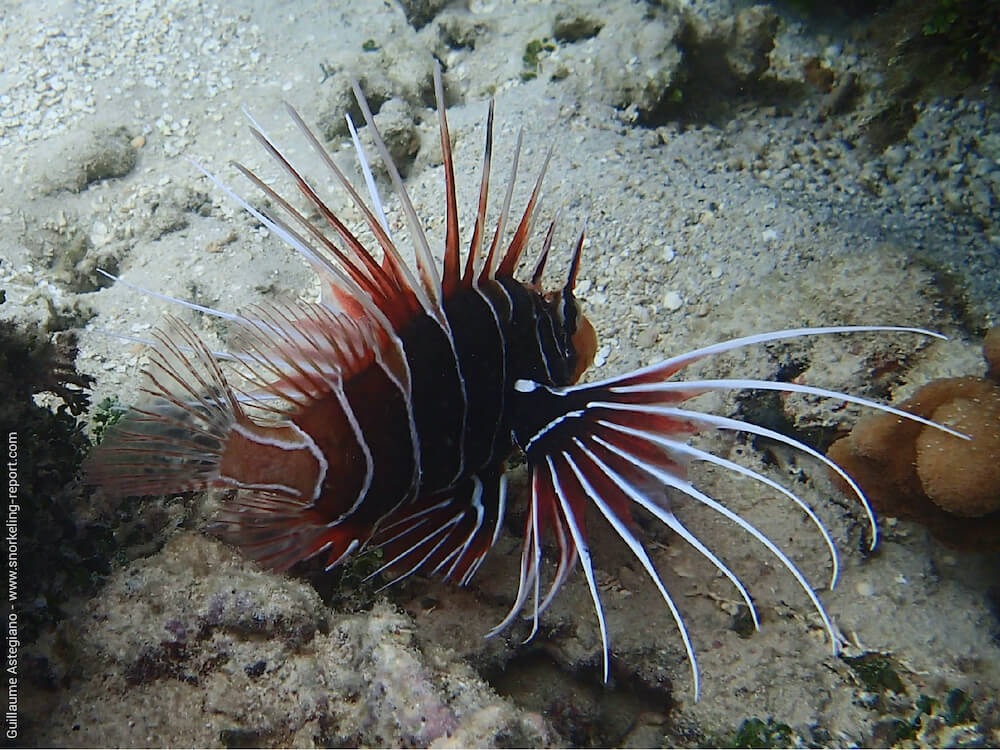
[11, 538]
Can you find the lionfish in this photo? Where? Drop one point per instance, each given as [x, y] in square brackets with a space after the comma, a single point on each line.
[385, 414]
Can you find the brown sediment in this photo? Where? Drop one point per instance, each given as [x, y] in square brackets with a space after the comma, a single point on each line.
[991, 353]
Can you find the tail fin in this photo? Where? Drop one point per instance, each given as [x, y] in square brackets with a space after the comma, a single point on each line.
[175, 441]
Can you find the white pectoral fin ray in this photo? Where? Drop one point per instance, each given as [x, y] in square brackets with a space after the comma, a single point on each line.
[670, 480]
[726, 423]
[622, 444]
[638, 550]
[583, 550]
[677, 447]
[730, 384]
[658, 371]
[366, 171]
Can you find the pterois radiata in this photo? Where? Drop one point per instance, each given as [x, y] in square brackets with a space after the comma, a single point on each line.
[384, 415]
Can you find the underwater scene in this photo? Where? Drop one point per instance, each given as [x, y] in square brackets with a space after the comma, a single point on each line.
[501, 373]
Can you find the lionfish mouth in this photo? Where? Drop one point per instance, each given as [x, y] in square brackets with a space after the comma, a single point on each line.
[384, 414]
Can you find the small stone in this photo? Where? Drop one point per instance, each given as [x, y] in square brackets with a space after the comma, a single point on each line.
[895, 155]
[99, 234]
[769, 235]
[646, 338]
[672, 301]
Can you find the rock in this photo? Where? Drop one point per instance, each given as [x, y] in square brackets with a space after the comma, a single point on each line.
[398, 128]
[400, 72]
[751, 41]
[571, 25]
[196, 646]
[741, 43]
[632, 62]
[840, 97]
[420, 12]
[90, 157]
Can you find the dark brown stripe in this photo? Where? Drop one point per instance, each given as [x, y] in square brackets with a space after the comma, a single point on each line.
[481, 355]
[438, 400]
[382, 415]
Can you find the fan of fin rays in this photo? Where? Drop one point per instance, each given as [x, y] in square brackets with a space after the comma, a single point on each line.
[637, 446]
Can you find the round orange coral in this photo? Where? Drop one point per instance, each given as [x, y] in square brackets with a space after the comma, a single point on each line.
[950, 485]
[963, 476]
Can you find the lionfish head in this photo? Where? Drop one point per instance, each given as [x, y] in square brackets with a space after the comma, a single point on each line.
[578, 339]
